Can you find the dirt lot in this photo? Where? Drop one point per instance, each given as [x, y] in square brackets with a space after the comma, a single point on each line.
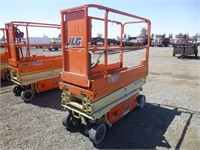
[170, 119]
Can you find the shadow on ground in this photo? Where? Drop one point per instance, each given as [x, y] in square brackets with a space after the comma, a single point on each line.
[189, 58]
[141, 129]
[48, 99]
[6, 83]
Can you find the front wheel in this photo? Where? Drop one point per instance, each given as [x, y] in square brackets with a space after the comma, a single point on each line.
[97, 133]
[27, 95]
[70, 121]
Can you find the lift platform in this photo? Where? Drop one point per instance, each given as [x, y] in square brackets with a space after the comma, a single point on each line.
[99, 94]
[31, 71]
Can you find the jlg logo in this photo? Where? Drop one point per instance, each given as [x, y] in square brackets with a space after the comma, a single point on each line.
[74, 41]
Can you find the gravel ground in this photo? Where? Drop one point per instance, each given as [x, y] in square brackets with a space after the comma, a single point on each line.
[170, 119]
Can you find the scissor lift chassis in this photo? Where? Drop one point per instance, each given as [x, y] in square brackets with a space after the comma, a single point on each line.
[32, 82]
[103, 111]
[95, 110]
[34, 77]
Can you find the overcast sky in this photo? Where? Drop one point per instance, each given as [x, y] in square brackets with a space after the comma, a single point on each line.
[167, 16]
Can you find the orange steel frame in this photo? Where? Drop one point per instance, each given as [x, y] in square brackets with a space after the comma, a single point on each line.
[24, 66]
[13, 42]
[4, 58]
[77, 76]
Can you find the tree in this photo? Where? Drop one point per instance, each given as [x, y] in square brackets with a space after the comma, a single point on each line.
[152, 35]
[143, 32]
[124, 35]
[45, 36]
[170, 36]
[99, 35]
[59, 36]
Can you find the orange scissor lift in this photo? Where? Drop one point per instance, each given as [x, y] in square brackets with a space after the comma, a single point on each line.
[102, 94]
[5, 73]
[31, 73]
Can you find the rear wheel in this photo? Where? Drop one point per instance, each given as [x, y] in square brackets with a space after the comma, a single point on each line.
[141, 100]
[8, 76]
[17, 90]
[97, 133]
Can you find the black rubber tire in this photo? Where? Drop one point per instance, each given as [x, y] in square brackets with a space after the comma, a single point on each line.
[17, 90]
[97, 133]
[56, 49]
[67, 121]
[70, 121]
[27, 95]
[141, 100]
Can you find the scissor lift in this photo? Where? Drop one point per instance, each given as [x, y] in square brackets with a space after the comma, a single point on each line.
[5, 73]
[98, 95]
[30, 72]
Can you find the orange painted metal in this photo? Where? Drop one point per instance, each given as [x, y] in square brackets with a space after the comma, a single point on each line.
[14, 44]
[103, 86]
[48, 84]
[2, 74]
[38, 63]
[122, 109]
[78, 76]
[4, 57]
